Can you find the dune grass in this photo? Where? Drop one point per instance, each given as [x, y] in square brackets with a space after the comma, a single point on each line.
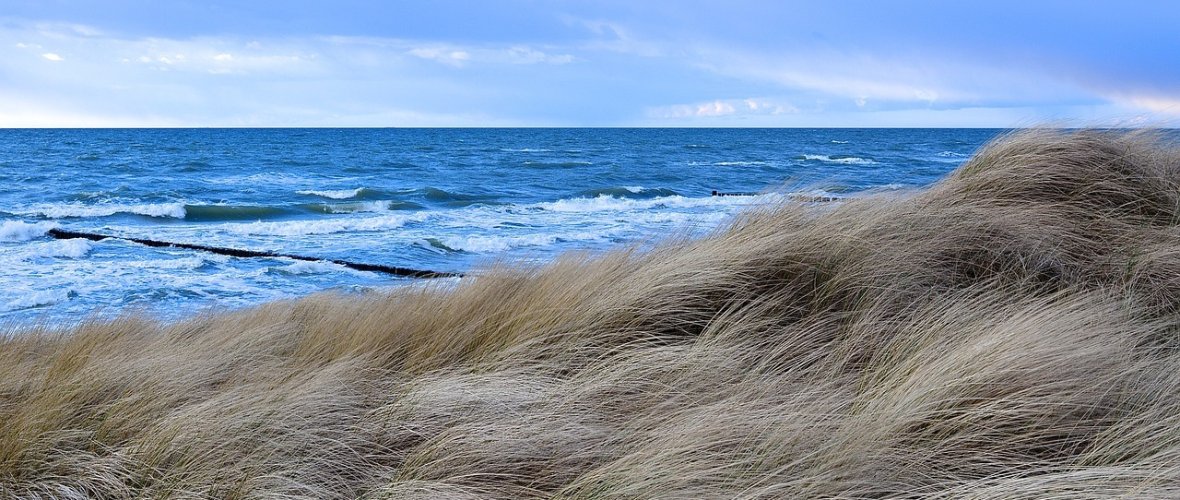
[1012, 332]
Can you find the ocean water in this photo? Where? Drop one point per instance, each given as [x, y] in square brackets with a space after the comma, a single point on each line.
[437, 199]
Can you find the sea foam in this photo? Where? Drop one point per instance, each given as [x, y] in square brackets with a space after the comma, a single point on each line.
[844, 160]
[75, 248]
[35, 298]
[339, 194]
[311, 227]
[77, 210]
[17, 231]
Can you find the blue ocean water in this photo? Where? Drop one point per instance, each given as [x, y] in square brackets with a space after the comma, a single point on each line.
[439, 199]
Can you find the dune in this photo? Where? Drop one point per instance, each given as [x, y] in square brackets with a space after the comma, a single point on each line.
[1010, 332]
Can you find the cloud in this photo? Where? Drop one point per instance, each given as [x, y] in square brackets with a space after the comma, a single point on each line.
[1155, 104]
[453, 57]
[52, 57]
[721, 108]
[459, 56]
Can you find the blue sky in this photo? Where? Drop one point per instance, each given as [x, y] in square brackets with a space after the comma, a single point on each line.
[589, 63]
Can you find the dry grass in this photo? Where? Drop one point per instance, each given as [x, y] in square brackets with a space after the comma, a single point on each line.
[1010, 333]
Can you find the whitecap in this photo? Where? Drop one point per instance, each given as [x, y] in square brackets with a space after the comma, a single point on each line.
[309, 227]
[495, 244]
[739, 163]
[17, 231]
[28, 299]
[74, 248]
[339, 194]
[313, 267]
[70, 210]
[604, 203]
[848, 160]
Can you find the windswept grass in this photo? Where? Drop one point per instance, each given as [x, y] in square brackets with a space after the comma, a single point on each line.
[1012, 332]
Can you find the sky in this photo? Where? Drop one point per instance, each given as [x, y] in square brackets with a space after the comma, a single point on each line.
[626, 63]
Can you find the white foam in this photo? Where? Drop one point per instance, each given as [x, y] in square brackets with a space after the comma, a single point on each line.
[635, 189]
[179, 264]
[314, 267]
[851, 160]
[739, 163]
[340, 194]
[309, 227]
[952, 154]
[16, 231]
[495, 244]
[839, 142]
[605, 203]
[26, 299]
[75, 248]
[67, 210]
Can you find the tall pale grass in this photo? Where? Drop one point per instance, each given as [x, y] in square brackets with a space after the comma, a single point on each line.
[1012, 332]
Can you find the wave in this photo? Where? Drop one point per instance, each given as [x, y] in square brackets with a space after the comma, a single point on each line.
[950, 157]
[18, 231]
[633, 192]
[740, 163]
[495, 244]
[37, 298]
[604, 203]
[343, 194]
[311, 227]
[839, 142]
[454, 199]
[213, 213]
[74, 248]
[205, 213]
[845, 160]
[525, 150]
[175, 210]
[361, 206]
[312, 267]
[435, 245]
[190, 263]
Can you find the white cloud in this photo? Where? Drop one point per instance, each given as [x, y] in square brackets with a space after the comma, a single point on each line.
[723, 107]
[455, 55]
[52, 57]
[1154, 104]
[528, 55]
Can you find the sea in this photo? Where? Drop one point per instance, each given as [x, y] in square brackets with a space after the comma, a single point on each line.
[443, 200]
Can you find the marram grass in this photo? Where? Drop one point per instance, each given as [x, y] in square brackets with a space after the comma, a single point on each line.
[1012, 332]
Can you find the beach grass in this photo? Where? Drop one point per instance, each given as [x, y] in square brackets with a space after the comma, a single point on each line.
[1011, 332]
